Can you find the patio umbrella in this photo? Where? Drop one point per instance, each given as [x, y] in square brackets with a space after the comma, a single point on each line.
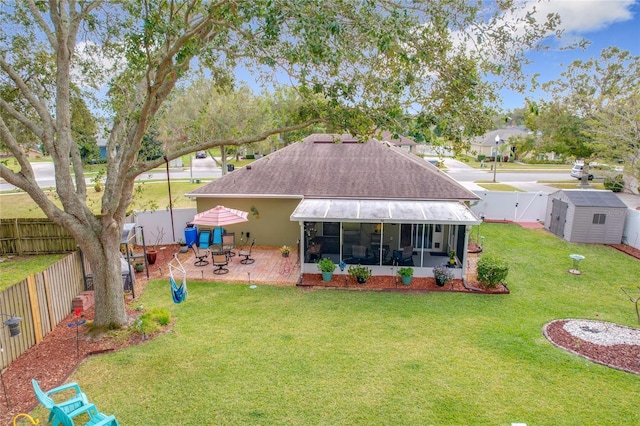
[220, 216]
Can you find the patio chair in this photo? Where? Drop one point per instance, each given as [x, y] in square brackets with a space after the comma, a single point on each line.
[229, 243]
[200, 254]
[217, 236]
[69, 406]
[247, 254]
[403, 257]
[220, 260]
[96, 418]
[204, 240]
[359, 253]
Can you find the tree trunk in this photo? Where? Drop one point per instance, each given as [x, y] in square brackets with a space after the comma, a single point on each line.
[103, 254]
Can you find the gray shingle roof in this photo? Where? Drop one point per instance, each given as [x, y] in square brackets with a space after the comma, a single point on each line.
[333, 166]
[591, 198]
[489, 138]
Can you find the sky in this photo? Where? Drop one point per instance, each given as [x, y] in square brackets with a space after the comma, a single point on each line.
[604, 23]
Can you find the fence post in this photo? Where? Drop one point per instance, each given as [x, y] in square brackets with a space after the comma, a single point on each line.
[35, 307]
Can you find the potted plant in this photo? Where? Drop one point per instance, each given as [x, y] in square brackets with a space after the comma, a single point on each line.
[452, 258]
[138, 266]
[361, 273]
[152, 253]
[442, 275]
[183, 246]
[285, 251]
[406, 273]
[326, 266]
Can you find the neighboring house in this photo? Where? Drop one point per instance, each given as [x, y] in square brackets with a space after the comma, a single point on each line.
[353, 202]
[489, 144]
[586, 216]
[401, 141]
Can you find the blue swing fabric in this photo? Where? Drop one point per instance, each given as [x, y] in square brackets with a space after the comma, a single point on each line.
[178, 292]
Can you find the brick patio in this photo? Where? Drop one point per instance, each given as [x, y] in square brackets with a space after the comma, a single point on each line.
[269, 267]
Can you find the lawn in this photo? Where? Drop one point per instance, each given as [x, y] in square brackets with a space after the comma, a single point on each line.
[274, 355]
[17, 268]
[21, 205]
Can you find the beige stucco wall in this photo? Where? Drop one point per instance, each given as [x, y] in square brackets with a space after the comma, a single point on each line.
[271, 227]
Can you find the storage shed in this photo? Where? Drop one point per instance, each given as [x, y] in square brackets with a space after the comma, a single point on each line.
[586, 216]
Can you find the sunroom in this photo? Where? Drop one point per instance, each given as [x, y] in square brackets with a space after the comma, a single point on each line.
[385, 234]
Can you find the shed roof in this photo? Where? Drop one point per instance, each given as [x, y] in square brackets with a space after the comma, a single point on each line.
[593, 198]
[337, 166]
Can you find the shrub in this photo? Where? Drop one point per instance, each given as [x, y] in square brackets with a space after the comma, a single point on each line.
[326, 265]
[492, 270]
[150, 322]
[406, 271]
[361, 272]
[615, 184]
[481, 157]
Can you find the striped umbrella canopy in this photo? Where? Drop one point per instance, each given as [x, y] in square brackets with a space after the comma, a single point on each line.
[220, 216]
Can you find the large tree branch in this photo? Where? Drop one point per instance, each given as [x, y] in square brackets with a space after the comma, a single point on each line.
[25, 90]
[35, 12]
[148, 165]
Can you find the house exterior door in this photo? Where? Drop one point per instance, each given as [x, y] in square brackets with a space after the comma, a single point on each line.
[558, 217]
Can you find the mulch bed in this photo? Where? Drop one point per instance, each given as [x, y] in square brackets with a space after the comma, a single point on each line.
[631, 251]
[389, 283]
[621, 357]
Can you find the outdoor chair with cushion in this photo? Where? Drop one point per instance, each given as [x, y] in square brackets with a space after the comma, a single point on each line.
[359, 253]
[229, 244]
[403, 257]
[96, 418]
[247, 254]
[217, 237]
[204, 240]
[68, 406]
[200, 254]
[220, 261]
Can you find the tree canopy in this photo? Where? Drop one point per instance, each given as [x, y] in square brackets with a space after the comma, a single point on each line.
[356, 65]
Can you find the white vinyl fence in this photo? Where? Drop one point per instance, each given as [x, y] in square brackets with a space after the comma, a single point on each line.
[157, 225]
[631, 233]
[512, 206]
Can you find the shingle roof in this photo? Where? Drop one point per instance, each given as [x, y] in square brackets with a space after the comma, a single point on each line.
[489, 138]
[591, 198]
[338, 167]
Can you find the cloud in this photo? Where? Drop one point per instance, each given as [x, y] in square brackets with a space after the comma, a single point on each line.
[584, 16]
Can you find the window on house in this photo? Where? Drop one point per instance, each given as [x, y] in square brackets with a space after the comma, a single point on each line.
[599, 218]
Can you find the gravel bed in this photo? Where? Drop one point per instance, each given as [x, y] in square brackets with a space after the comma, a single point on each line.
[603, 333]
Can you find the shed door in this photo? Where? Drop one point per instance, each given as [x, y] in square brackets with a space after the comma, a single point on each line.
[558, 217]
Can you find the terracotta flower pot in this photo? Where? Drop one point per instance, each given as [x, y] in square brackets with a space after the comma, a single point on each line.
[151, 256]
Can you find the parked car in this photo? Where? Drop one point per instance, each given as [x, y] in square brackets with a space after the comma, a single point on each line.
[577, 170]
[201, 154]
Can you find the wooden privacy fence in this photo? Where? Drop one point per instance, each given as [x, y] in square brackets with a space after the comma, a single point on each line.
[34, 236]
[42, 301]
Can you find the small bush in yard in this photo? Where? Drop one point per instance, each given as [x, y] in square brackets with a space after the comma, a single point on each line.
[150, 322]
[615, 184]
[492, 270]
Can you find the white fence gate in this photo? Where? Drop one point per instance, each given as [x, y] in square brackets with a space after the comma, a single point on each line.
[513, 206]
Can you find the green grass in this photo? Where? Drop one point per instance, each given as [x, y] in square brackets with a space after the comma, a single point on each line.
[19, 204]
[275, 355]
[516, 167]
[17, 268]
[498, 186]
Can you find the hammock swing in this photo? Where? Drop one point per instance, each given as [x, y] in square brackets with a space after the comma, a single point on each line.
[178, 293]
